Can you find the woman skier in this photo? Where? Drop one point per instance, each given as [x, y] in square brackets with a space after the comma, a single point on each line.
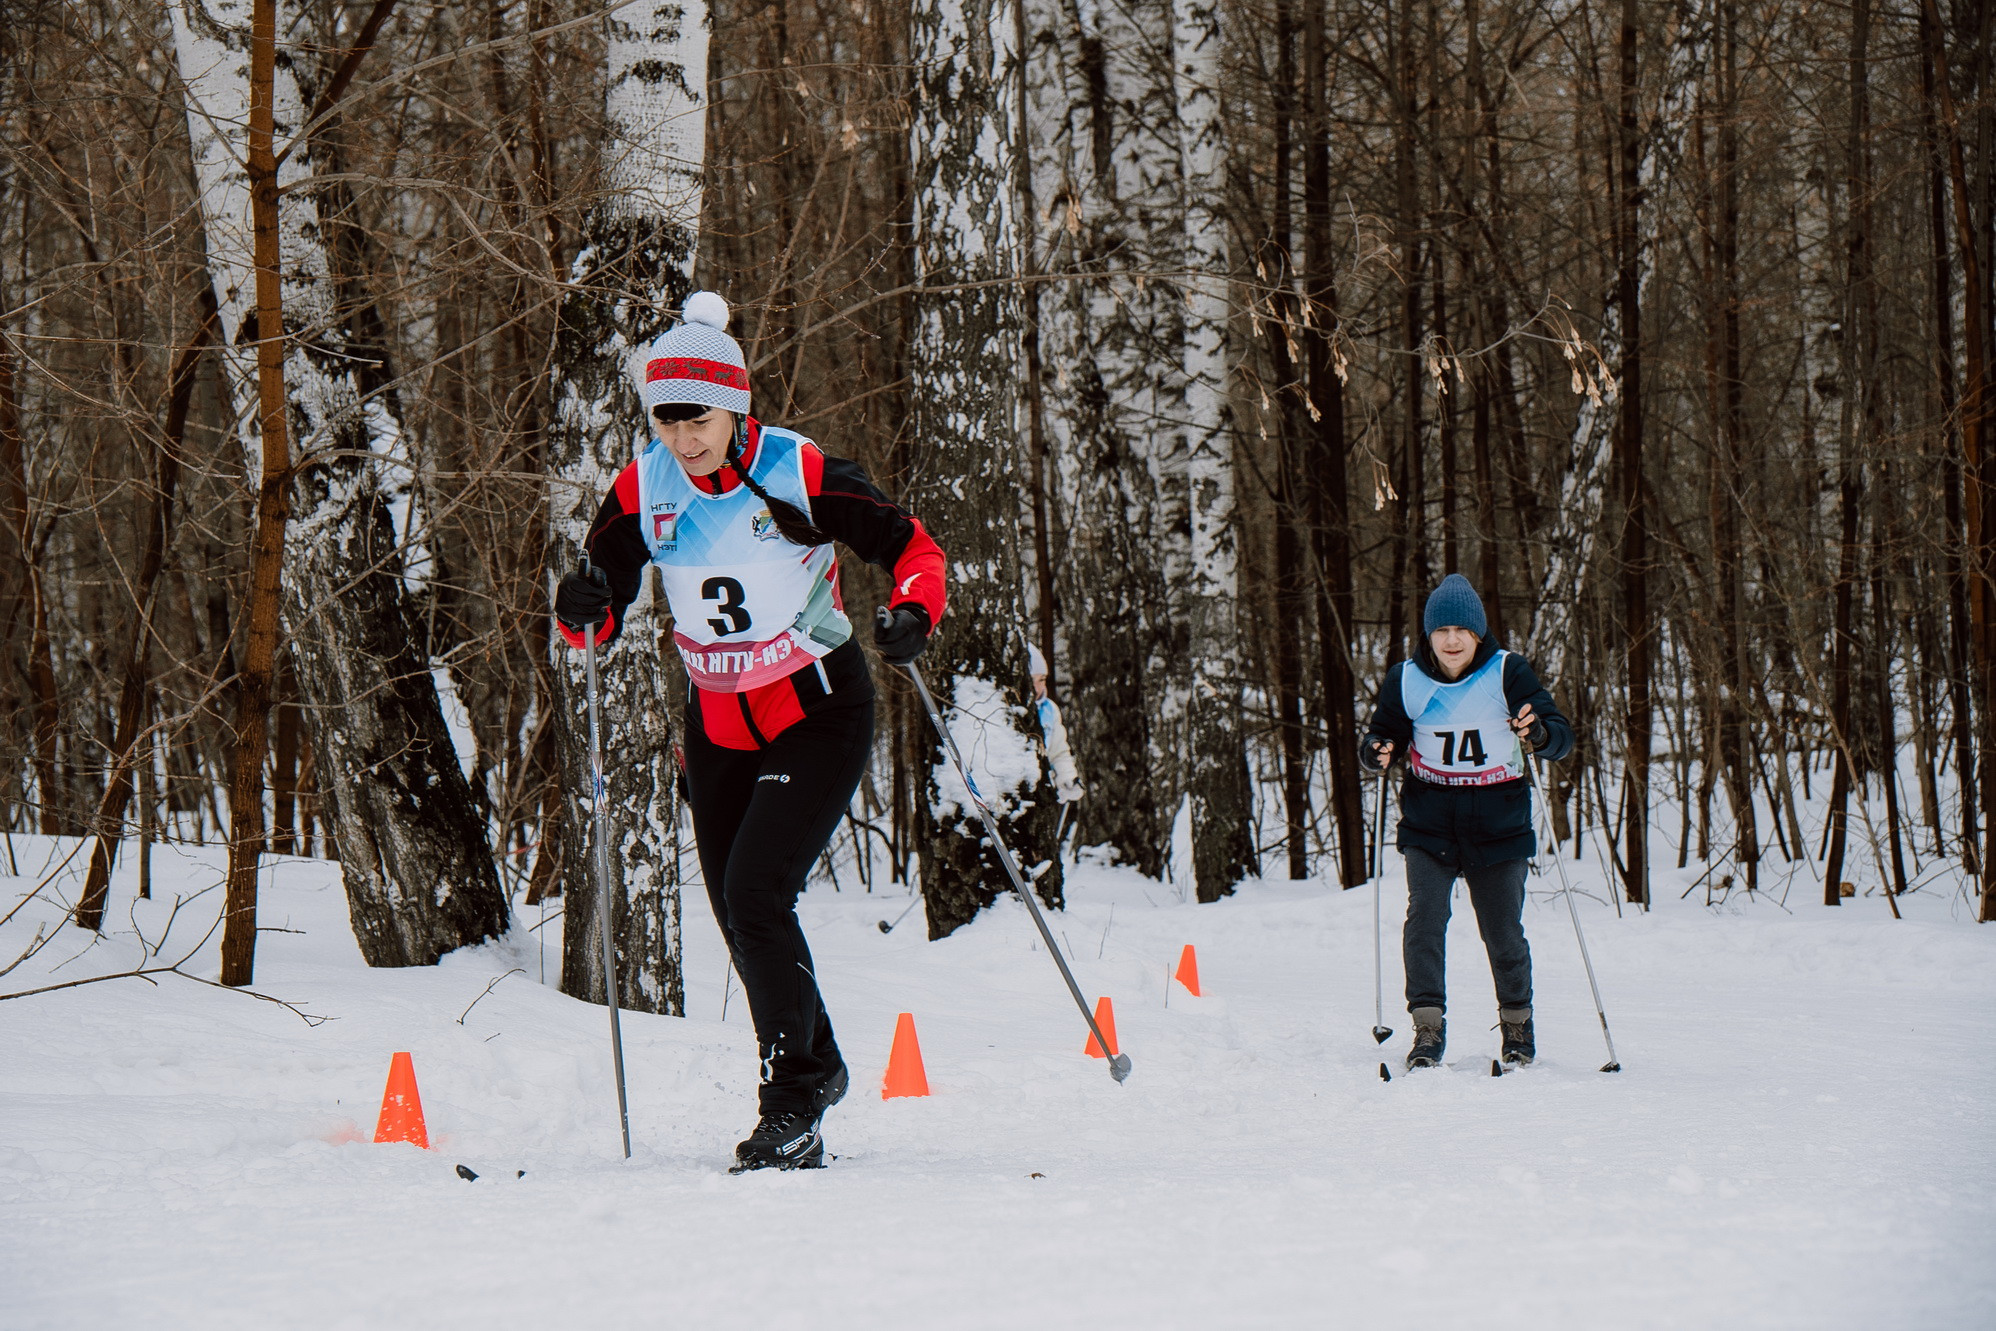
[1465, 710]
[740, 517]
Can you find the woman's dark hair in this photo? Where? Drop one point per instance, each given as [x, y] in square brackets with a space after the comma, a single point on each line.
[796, 528]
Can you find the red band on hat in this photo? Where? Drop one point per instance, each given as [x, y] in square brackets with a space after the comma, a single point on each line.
[708, 371]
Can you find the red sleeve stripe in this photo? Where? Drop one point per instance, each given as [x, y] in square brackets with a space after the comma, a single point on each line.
[918, 574]
[814, 469]
[627, 488]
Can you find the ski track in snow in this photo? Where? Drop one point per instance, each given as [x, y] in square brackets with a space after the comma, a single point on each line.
[1801, 1138]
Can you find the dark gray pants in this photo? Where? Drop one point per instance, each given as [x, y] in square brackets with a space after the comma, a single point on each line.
[1497, 892]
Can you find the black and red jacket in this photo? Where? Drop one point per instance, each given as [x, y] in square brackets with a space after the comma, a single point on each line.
[846, 506]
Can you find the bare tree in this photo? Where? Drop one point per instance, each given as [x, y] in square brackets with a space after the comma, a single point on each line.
[419, 879]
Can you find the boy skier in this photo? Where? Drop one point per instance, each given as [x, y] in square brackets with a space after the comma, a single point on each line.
[1465, 711]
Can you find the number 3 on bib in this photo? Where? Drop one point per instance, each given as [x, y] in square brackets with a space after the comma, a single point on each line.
[729, 596]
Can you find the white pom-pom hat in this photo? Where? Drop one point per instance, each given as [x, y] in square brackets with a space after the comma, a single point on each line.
[697, 361]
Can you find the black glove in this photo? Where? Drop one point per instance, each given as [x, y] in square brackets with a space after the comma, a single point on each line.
[582, 599]
[901, 633]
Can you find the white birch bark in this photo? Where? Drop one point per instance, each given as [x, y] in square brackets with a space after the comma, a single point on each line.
[418, 875]
[634, 269]
[968, 449]
[1222, 837]
[1103, 137]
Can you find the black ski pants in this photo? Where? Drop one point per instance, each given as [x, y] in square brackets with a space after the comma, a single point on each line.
[762, 818]
[1497, 891]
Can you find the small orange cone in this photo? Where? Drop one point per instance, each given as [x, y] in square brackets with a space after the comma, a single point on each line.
[1188, 970]
[401, 1107]
[905, 1075]
[1105, 1017]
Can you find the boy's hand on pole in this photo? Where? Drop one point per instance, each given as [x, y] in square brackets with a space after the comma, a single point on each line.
[1382, 753]
[1529, 728]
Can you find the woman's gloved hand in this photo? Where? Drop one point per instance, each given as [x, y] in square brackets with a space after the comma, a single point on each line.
[901, 633]
[582, 601]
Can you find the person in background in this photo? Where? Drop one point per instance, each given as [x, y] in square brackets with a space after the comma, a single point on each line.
[1053, 732]
[1465, 712]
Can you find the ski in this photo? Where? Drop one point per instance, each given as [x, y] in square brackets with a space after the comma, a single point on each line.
[1497, 1068]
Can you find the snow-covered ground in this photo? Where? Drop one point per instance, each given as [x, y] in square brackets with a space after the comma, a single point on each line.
[1802, 1136]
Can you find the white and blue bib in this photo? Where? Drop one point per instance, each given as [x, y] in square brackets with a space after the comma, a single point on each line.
[748, 606]
[1462, 730]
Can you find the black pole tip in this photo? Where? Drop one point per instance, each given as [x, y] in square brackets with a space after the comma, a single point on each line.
[1384, 1075]
[886, 928]
[1611, 1067]
[1119, 1067]
[1496, 1068]
[464, 1172]
[1380, 1034]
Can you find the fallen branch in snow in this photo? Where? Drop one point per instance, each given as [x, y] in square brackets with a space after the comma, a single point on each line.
[178, 901]
[44, 883]
[490, 986]
[33, 948]
[146, 973]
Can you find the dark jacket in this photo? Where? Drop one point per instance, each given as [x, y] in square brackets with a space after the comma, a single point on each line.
[1467, 826]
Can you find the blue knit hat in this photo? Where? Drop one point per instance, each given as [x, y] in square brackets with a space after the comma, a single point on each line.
[1456, 603]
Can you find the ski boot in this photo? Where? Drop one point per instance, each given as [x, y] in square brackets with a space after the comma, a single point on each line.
[832, 1089]
[1430, 1038]
[785, 1139]
[1518, 1045]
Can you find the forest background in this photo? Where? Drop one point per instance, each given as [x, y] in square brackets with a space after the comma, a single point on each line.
[1205, 336]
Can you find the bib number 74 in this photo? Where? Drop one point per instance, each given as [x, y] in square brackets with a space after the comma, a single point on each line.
[1469, 752]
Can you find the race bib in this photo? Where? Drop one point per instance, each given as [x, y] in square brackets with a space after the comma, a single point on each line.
[1462, 731]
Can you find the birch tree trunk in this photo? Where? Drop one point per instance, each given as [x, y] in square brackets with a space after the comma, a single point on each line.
[1222, 828]
[1102, 137]
[418, 876]
[967, 455]
[633, 270]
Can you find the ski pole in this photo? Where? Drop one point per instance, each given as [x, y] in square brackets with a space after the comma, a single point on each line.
[887, 928]
[1566, 890]
[1119, 1064]
[1380, 1033]
[603, 869]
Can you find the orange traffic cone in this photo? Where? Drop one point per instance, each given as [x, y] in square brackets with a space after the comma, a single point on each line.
[1105, 1017]
[401, 1107]
[1188, 970]
[905, 1075]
